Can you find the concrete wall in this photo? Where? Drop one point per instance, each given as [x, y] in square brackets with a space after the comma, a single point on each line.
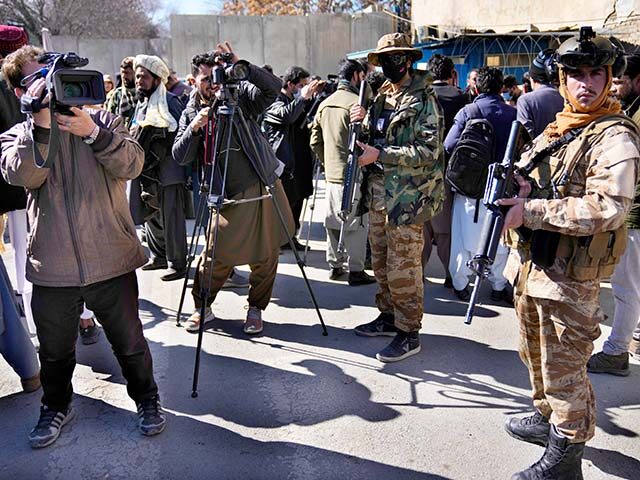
[315, 42]
[507, 15]
[105, 55]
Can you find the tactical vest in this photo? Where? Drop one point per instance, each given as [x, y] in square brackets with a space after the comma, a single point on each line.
[554, 177]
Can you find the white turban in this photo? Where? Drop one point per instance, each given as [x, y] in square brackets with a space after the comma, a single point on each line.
[154, 64]
[157, 113]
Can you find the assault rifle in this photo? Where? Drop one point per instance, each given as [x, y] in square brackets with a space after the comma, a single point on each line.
[352, 173]
[499, 183]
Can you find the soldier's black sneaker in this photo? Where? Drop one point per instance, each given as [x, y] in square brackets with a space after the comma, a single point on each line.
[381, 326]
[504, 295]
[360, 278]
[402, 346]
[151, 417]
[612, 364]
[531, 429]
[49, 426]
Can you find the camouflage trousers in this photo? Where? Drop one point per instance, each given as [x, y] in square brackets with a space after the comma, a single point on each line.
[556, 341]
[397, 265]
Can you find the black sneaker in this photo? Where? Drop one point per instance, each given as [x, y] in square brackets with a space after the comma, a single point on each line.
[612, 364]
[151, 418]
[360, 278]
[336, 273]
[381, 327]
[531, 429]
[49, 426]
[90, 334]
[402, 346]
[503, 295]
[174, 274]
[464, 294]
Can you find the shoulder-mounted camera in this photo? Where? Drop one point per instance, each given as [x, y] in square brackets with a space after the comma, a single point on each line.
[69, 87]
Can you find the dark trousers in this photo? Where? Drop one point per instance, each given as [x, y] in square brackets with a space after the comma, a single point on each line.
[167, 230]
[56, 312]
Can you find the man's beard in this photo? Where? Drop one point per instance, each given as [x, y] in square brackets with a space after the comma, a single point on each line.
[142, 94]
[129, 84]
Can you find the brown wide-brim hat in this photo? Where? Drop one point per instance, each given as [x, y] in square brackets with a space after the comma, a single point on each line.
[392, 43]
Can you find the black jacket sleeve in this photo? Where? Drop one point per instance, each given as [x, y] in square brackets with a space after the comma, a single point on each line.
[186, 143]
[258, 91]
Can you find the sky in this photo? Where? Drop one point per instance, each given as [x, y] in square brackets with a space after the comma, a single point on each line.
[191, 6]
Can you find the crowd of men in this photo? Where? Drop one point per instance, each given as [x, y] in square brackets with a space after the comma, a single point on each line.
[129, 163]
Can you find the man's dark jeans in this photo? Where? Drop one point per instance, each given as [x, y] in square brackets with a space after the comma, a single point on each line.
[56, 312]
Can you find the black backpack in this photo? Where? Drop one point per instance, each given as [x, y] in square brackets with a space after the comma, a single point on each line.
[469, 163]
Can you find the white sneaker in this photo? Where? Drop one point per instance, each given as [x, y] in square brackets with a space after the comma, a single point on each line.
[253, 323]
[193, 322]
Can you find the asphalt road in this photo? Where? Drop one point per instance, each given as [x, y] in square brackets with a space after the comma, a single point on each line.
[294, 404]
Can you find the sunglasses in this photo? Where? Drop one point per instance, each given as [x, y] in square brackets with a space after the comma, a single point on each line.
[393, 59]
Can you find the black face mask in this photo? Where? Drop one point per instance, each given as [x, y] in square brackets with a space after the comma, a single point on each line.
[394, 66]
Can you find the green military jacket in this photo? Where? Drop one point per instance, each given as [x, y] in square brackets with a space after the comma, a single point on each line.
[413, 158]
[330, 131]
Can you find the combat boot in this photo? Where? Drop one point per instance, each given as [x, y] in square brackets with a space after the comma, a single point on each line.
[561, 461]
[531, 429]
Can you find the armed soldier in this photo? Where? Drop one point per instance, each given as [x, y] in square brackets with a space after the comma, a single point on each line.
[581, 173]
[403, 189]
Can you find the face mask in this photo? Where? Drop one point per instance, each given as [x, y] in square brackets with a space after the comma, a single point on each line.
[394, 72]
[506, 96]
[394, 67]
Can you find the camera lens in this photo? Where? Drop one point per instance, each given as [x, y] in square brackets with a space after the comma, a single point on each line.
[75, 89]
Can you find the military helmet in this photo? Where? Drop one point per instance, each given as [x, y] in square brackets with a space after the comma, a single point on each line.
[587, 50]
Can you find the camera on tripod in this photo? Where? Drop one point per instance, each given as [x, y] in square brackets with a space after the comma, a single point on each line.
[69, 87]
[226, 72]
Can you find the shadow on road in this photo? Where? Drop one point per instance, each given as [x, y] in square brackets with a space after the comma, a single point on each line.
[187, 449]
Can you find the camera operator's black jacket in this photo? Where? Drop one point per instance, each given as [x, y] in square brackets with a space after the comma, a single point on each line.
[254, 95]
[280, 123]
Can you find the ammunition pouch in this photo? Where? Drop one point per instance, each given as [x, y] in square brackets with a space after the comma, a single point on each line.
[544, 247]
[595, 256]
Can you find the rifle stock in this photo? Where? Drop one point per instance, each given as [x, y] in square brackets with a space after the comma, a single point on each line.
[499, 177]
[352, 172]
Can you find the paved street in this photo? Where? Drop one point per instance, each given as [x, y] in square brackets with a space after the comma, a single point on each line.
[293, 404]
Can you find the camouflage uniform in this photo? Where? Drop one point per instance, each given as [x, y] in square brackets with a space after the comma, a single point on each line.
[558, 314]
[407, 194]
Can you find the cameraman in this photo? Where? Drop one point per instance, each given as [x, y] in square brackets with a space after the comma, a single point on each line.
[77, 200]
[253, 233]
[285, 123]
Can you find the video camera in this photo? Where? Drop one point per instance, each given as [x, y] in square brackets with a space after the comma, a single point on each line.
[68, 86]
[226, 72]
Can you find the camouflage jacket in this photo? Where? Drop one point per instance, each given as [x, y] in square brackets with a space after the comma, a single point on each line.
[413, 158]
[596, 199]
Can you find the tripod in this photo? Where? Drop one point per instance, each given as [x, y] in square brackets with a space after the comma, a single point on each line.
[311, 205]
[217, 146]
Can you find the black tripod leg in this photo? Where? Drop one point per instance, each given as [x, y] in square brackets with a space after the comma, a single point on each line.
[197, 230]
[297, 255]
[205, 292]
